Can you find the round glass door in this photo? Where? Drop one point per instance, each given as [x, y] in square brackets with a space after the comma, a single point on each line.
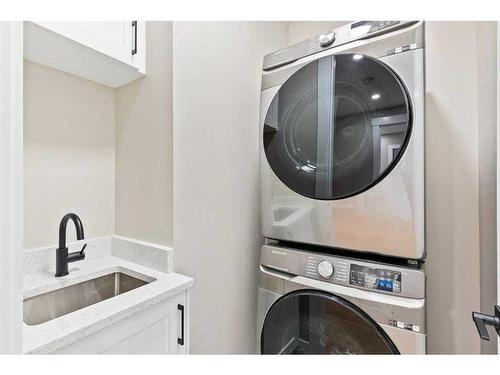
[313, 322]
[337, 126]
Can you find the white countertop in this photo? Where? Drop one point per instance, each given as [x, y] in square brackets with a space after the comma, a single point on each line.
[57, 333]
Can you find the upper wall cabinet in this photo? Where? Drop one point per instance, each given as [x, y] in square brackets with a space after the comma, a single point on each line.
[112, 53]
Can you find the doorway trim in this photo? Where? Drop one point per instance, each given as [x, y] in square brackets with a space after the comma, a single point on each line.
[498, 172]
[11, 186]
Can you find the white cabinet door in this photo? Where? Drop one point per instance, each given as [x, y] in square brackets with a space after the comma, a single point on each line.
[111, 52]
[113, 38]
[156, 330]
[179, 334]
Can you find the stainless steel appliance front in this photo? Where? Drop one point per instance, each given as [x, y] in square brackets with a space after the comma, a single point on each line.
[342, 141]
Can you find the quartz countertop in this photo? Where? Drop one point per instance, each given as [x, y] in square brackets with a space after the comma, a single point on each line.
[64, 330]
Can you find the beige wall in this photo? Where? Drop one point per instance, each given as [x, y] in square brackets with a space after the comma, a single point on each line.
[217, 68]
[459, 174]
[69, 154]
[144, 206]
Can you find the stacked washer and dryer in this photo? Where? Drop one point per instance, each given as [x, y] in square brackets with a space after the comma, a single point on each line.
[342, 193]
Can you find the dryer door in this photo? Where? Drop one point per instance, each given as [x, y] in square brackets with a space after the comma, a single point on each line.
[314, 322]
[337, 126]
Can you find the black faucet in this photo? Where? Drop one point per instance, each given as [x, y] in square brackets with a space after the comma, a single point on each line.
[62, 256]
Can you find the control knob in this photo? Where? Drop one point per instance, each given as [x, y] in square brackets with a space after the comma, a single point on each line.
[325, 269]
[326, 39]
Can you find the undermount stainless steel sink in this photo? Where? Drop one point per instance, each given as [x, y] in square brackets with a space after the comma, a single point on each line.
[47, 306]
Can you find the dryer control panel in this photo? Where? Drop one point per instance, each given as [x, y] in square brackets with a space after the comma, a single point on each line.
[361, 274]
[331, 39]
[368, 27]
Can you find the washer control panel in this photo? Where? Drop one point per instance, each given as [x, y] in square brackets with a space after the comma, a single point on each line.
[369, 275]
[375, 278]
[324, 268]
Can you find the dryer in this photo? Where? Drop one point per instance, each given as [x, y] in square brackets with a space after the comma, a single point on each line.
[342, 140]
[313, 303]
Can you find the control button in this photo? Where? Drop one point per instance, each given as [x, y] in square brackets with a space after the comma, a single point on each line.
[325, 269]
[326, 39]
[396, 287]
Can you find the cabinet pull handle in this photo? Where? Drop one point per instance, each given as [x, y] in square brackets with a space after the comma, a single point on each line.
[134, 25]
[180, 340]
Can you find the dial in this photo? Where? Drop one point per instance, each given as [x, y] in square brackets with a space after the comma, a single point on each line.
[325, 269]
[326, 39]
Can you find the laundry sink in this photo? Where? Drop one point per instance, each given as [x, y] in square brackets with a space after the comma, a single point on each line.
[47, 306]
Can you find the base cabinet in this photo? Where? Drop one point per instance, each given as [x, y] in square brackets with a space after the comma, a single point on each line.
[160, 329]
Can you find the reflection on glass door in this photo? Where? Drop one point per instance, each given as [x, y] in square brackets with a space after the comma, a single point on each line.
[329, 128]
[312, 322]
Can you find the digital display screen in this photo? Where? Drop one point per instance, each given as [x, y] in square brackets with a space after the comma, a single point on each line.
[375, 278]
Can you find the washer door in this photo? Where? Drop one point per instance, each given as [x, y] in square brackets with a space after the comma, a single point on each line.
[314, 322]
[337, 126]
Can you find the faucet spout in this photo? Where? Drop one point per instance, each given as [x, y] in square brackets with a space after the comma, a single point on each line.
[62, 256]
[62, 228]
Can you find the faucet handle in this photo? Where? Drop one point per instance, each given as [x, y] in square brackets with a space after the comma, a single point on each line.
[82, 252]
[77, 255]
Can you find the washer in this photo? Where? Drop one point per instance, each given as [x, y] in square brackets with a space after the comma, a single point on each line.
[312, 303]
[342, 140]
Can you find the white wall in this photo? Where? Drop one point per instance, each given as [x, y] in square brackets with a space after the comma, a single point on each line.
[144, 167]
[459, 167]
[69, 154]
[11, 186]
[498, 176]
[487, 155]
[217, 67]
